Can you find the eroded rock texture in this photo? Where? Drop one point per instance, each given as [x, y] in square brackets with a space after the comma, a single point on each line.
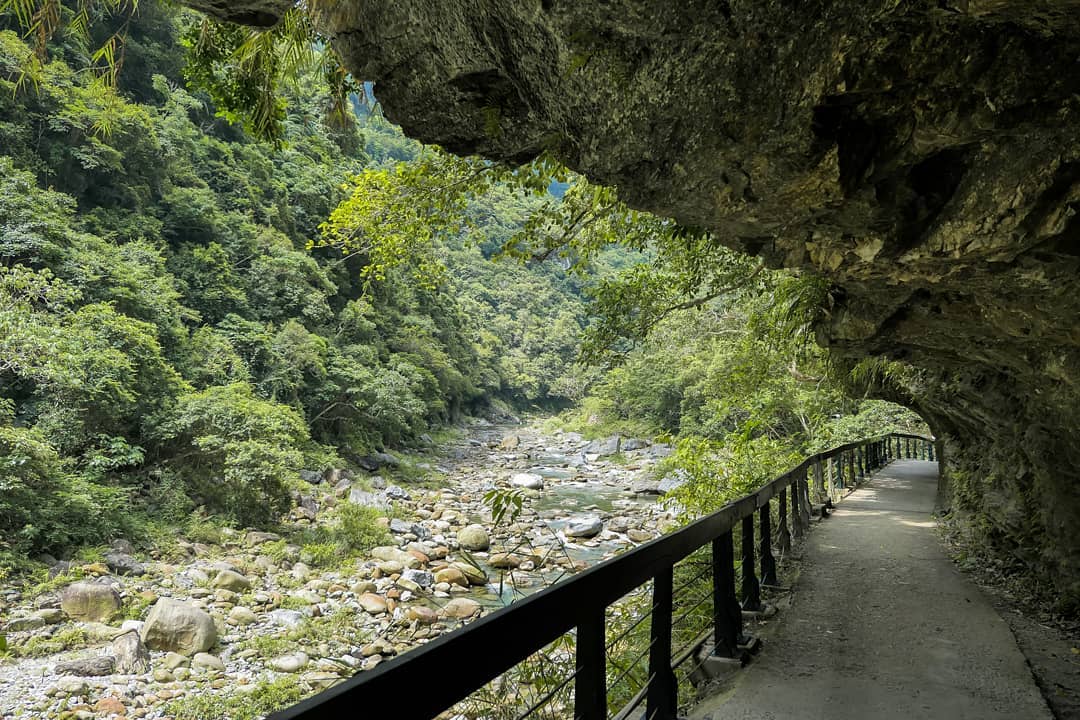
[922, 156]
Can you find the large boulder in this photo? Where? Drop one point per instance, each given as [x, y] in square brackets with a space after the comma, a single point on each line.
[131, 655]
[178, 627]
[89, 601]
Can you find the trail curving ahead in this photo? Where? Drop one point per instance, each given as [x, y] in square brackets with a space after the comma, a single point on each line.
[883, 626]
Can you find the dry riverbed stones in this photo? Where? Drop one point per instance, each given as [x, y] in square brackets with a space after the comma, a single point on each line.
[246, 610]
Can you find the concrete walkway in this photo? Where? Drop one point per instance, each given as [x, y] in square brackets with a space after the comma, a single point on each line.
[883, 626]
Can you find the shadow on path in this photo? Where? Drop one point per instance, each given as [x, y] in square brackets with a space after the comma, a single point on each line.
[883, 626]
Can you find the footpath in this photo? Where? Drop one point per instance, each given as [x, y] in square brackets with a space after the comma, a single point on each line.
[883, 626]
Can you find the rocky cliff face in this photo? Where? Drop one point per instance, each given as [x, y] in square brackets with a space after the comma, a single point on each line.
[922, 156]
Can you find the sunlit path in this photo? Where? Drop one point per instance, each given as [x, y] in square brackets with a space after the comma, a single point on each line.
[883, 626]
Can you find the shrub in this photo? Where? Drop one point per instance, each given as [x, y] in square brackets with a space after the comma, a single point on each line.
[237, 451]
[43, 506]
[358, 528]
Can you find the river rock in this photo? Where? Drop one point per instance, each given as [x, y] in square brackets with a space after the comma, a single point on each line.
[110, 707]
[646, 487]
[358, 496]
[396, 555]
[72, 686]
[87, 667]
[510, 442]
[179, 627]
[473, 537]
[504, 561]
[25, 624]
[395, 492]
[372, 603]
[422, 578]
[89, 601]
[123, 564]
[423, 615]
[293, 662]
[51, 616]
[255, 538]
[240, 615]
[584, 527]
[286, 618]
[452, 576]
[473, 574]
[461, 608]
[175, 660]
[669, 483]
[605, 447]
[206, 661]
[639, 535]
[230, 580]
[311, 476]
[633, 444]
[132, 657]
[529, 481]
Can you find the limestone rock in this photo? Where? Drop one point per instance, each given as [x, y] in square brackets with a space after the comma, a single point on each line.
[179, 627]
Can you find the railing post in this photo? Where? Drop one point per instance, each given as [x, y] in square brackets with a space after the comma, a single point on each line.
[796, 516]
[819, 481]
[785, 535]
[590, 683]
[768, 562]
[751, 589]
[860, 463]
[851, 467]
[727, 615]
[830, 478]
[907, 448]
[804, 502]
[661, 698]
[930, 450]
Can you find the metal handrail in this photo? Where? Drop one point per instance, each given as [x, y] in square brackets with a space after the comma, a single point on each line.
[499, 641]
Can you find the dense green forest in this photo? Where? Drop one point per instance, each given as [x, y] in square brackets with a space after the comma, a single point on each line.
[190, 314]
[167, 338]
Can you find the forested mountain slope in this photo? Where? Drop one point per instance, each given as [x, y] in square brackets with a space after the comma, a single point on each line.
[167, 337]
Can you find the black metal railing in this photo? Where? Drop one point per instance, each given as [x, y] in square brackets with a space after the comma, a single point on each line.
[432, 678]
